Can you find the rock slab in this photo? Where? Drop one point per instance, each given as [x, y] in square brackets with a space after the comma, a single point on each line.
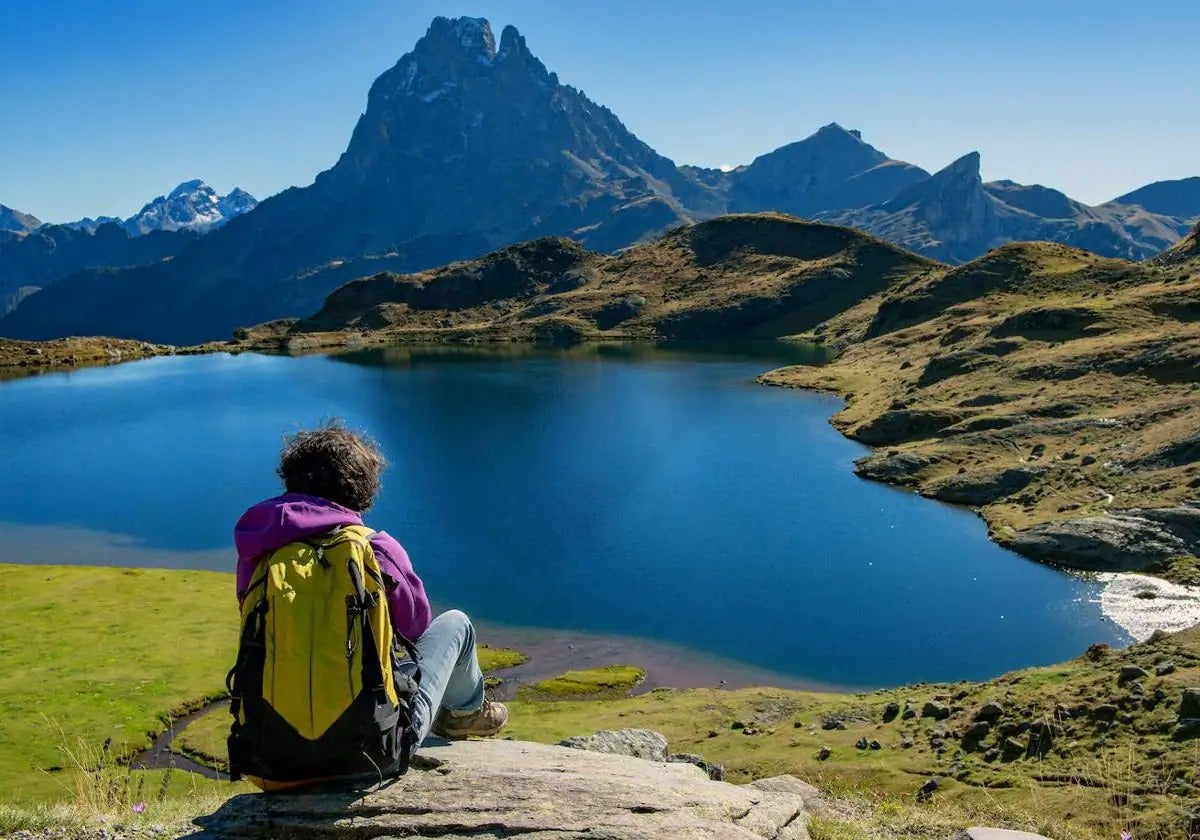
[979, 833]
[515, 789]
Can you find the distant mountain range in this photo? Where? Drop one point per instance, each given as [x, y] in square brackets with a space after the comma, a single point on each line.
[34, 255]
[467, 145]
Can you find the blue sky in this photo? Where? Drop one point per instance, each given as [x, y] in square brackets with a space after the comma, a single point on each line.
[106, 105]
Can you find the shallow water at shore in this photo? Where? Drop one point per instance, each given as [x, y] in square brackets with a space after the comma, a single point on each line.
[1140, 604]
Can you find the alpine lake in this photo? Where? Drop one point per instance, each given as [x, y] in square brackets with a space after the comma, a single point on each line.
[652, 492]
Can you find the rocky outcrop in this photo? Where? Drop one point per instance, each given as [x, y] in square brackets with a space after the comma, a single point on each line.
[1122, 541]
[905, 424]
[470, 789]
[976, 490]
[892, 468]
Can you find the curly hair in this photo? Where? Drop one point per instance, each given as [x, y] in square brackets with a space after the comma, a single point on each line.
[334, 463]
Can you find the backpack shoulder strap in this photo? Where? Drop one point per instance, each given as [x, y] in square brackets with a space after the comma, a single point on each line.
[361, 531]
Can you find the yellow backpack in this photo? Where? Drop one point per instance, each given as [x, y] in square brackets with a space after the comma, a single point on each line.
[323, 687]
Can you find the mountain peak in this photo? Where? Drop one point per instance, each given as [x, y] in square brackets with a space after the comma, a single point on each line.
[187, 187]
[835, 130]
[512, 41]
[471, 35]
[966, 166]
[193, 205]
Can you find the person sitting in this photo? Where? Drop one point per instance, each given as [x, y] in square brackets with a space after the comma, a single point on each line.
[331, 476]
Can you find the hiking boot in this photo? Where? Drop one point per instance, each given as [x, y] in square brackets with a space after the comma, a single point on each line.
[484, 721]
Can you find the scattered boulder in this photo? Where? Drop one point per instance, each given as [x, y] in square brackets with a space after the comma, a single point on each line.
[824, 753]
[861, 743]
[909, 713]
[890, 712]
[990, 712]
[1164, 668]
[1041, 739]
[980, 833]
[977, 731]
[1129, 673]
[1189, 704]
[935, 710]
[637, 743]
[928, 789]
[1011, 749]
[832, 722]
[874, 745]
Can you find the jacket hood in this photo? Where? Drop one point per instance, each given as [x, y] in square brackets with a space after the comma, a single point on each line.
[276, 522]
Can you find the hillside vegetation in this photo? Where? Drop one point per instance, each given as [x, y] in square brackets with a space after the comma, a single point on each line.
[739, 276]
[1056, 390]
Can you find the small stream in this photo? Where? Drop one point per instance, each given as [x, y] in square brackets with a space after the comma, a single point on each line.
[160, 756]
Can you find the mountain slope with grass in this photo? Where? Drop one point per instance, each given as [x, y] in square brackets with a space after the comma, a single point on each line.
[743, 276]
[1055, 390]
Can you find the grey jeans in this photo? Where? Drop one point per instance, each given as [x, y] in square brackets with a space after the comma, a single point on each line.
[450, 675]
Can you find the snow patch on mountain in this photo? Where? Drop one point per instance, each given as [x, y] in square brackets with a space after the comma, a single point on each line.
[193, 205]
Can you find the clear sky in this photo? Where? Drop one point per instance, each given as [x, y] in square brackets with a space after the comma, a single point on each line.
[105, 105]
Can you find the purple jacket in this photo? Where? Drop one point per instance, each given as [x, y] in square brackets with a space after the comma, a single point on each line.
[276, 522]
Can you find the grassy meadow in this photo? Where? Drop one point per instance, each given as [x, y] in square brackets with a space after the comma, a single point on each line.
[95, 654]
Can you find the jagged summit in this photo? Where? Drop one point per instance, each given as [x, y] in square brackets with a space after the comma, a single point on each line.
[186, 187]
[193, 205]
[472, 35]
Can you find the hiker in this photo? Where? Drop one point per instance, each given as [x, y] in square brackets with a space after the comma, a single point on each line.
[331, 476]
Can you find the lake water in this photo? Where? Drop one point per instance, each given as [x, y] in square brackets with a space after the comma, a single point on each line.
[634, 491]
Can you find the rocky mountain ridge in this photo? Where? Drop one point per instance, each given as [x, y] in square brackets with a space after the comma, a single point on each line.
[14, 221]
[468, 144]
